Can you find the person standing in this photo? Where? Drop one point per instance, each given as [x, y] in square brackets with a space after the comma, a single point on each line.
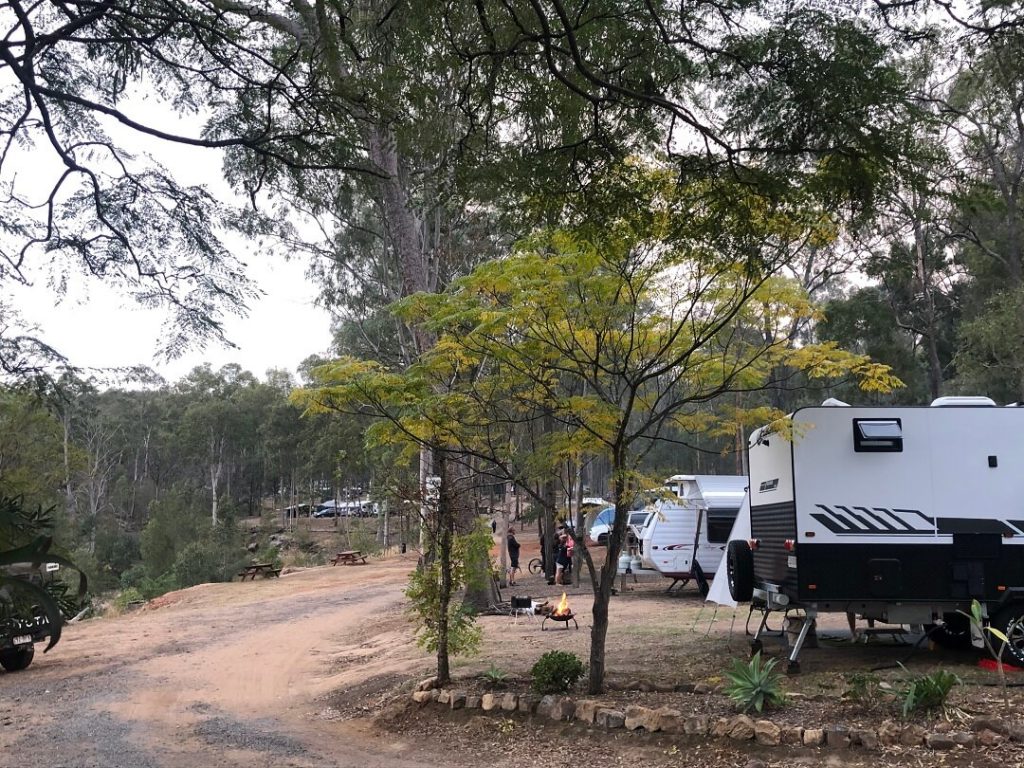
[513, 556]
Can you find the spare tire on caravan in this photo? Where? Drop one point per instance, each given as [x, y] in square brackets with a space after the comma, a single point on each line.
[686, 536]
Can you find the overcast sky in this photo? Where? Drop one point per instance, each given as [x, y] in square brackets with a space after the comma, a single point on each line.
[97, 327]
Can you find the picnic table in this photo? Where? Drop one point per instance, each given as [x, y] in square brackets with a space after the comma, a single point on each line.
[266, 570]
[351, 557]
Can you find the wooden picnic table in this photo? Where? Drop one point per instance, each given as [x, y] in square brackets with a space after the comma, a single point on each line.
[265, 570]
[350, 557]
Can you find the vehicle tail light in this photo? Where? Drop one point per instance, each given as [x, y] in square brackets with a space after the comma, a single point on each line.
[754, 544]
[789, 545]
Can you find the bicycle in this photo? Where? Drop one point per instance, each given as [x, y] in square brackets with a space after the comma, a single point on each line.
[535, 566]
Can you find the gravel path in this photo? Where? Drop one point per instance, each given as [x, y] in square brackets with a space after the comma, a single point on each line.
[224, 675]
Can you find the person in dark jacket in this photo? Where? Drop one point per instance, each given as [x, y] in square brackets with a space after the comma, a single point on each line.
[513, 556]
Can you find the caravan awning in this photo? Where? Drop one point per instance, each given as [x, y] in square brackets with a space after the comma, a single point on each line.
[721, 491]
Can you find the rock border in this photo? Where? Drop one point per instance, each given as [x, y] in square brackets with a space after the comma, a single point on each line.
[985, 731]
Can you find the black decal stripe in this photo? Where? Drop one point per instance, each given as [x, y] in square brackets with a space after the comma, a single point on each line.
[929, 520]
[867, 525]
[948, 525]
[895, 517]
[876, 518]
[847, 528]
[829, 523]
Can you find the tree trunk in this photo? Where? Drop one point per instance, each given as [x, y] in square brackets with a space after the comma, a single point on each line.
[445, 526]
[603, 593]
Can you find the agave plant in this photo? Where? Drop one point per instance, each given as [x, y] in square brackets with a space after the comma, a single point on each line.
[755, 684]
[17, 523]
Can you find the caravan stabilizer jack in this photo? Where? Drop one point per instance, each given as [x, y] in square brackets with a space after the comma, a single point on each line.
[793, 664]
[793, 668]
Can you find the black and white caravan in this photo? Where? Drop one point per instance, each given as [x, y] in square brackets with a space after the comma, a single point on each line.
[898, 514]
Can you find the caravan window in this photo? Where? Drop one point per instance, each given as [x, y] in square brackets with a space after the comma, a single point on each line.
[877, 435]
[720, 520]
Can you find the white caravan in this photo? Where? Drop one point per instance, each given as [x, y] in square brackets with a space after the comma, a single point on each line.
[686, 536]
[904, 515]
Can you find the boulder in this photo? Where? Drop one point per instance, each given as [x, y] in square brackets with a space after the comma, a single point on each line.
[987, 738]
[421, 697]
[444, 697]
[813, 737]
[668, 720]
[472, 702]
[793, 734]
[509, 702]
[939, 741]
[962, 739]
[721, 728]
[457, 699]
[610, 718]
[889, 733]
[741, 728]
[912, 736]
[994, 724]
[696, 726]
[837, 736]
[426, 685]
[547, 705]
[703, 688]
[488, 702]
[528, 703]
[768, 733]
[586, 710]
[864, 737]
[639, 717]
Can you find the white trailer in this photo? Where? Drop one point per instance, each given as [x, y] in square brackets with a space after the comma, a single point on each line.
[903, 515]
[685, 537]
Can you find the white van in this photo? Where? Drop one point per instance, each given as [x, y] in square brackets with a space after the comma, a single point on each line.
[686, 536]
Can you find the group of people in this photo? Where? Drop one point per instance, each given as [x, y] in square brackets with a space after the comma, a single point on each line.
[563, 552]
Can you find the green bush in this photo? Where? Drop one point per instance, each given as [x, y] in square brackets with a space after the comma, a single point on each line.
[151, 588]
[133, 577]
[928, 692]
[755, 684]
[127, 597]
[495, 677]
[556, 672]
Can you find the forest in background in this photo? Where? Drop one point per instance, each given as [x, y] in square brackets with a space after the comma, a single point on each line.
[870, 154]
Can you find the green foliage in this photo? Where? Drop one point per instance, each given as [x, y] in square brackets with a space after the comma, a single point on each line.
[864, 689]
[426, 595]
[928, 692]
[495, 677]
[755, 684]
[556, 672]
[126, 597]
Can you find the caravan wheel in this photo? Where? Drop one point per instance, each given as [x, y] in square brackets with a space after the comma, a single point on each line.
[739, 567]
[954, 632]
[1010, 621]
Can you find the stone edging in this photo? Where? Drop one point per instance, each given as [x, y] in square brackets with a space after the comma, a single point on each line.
[985, 731]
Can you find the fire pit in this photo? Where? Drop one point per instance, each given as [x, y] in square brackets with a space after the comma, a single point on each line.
[561, 613]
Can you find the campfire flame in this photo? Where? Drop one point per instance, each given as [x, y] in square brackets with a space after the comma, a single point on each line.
[563, 607]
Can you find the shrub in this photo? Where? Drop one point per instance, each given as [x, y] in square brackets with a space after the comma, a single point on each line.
[928, 692]
[755, 684]
[556, 672]
[495, 677]
[864, 689]
[127, 597]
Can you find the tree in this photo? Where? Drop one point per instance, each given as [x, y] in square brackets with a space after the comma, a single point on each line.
[660, 310]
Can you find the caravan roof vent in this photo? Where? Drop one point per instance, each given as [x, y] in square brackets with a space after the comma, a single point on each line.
[832, 402]
[963, 400]
[877, 435]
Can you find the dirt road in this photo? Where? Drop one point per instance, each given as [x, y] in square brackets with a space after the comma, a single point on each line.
[242, 674]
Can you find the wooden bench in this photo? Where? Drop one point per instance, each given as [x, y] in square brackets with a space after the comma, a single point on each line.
[352, 557]
[266, 570]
